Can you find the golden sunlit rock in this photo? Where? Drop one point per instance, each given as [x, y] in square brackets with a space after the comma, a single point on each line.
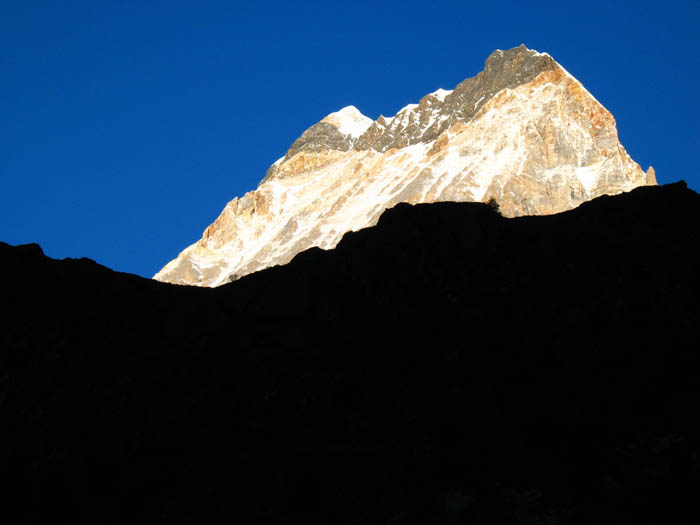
[523, 132]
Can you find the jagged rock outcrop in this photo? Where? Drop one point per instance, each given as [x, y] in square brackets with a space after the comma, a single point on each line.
[523, 132]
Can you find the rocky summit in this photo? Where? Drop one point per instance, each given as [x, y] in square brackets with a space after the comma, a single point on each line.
[523, 132]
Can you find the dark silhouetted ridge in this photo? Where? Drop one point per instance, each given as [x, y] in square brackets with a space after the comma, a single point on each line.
[446, 366]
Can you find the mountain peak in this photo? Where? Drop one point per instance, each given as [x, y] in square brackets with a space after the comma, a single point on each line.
[349, 121]
[523, 131]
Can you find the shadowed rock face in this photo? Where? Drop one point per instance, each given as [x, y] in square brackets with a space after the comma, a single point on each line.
[320, 137]
[446, 366]
[503, 70]
[523, 132]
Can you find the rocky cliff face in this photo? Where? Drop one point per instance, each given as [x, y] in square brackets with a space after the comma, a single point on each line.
[523, 131]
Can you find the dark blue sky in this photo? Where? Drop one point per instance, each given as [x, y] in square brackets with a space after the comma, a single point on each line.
[126, 126]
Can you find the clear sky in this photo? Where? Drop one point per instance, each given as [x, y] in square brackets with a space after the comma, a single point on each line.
[126, 126]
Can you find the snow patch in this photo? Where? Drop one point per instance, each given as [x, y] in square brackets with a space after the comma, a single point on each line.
[349, 121]
[440, 94]
[407, 107]
[588, 175]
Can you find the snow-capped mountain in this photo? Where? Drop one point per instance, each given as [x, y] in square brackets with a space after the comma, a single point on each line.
[523, 131]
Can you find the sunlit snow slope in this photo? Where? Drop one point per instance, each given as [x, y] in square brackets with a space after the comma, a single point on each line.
[523, 131]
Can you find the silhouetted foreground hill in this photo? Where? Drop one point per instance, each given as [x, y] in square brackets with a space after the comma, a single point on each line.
[446, 366]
